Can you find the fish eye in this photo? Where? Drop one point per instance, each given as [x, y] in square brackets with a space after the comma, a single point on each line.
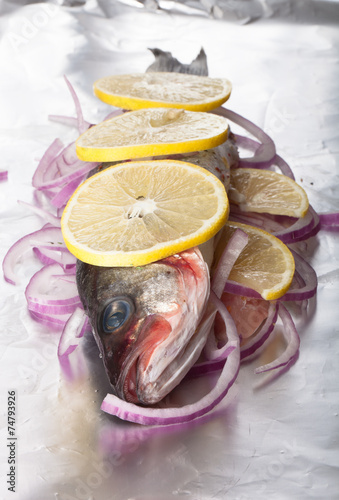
[116, 314]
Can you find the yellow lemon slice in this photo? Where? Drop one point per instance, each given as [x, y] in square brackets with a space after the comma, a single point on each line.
[265, 264]
[173, 90]
[256, 190]
[138, 212]
[151, 132]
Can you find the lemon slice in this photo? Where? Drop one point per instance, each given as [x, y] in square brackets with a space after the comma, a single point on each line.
[173, 90]
[151, 132]
[138, 212]
[256, 190]
[265, 265]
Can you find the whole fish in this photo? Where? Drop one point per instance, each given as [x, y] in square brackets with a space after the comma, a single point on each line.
[151, 322]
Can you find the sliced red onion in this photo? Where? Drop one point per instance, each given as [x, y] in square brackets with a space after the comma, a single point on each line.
[277, 160]
[165, 416]
[246, 142]
[3, 175]
[292, 339]
[47, 216]
[50, 154]
[60, 199]
[329, 221]
[265, 152]
[65, 120]
[307, 278]
[227, 260]
[46, 236]
[259, 339]
[61, 169]
[48, 293]
[287, 229]
[61, 256]
[55, 322]
[70, 359]
[244, 291]
[268, 222]
[82, 124]
[214, 353]
[284, 167]
[302, 229]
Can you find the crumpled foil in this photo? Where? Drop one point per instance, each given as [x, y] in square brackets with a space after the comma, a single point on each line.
[277, 441]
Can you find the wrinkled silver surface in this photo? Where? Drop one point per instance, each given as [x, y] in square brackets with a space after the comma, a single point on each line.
[276, 442]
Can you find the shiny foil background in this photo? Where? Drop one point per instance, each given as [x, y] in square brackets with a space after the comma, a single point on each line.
[279, 441]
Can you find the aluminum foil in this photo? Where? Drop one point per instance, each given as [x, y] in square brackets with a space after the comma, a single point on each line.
[277, 441]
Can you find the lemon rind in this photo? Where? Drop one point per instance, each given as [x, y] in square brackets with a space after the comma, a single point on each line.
[144, 150]
[135, 103]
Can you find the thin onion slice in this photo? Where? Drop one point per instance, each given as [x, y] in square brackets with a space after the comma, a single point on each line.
[329, 221]
[70, 361]
[227, 260]
[82, 124]
[247, 143]
[62, 256]
[44, 214]
[307, 279]
[164, 416]
[287, 229]
[293, 343]
[60, 199]
[49, 293]
[55, 322]
[49, 156]
[265, 152]
[50, 236]
[65, 120]
[258, 340]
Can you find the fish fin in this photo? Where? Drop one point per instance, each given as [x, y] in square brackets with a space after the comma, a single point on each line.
[164, 61]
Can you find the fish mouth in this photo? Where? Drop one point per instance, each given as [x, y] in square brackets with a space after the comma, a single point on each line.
[154, 330]
[158, 364]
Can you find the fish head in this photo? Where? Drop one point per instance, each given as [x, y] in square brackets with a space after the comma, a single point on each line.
[146, 321]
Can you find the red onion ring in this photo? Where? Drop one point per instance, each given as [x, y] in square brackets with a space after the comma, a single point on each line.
[62, 256]
[49, 156]
[259, 339]
[70, 361]
[307, 276]
[265, 152]
[227, 260]
[293, 343]
[46, 236]
[296, 230]
[82, 124]
[48, 293]
[60, 199]
[252, 145]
